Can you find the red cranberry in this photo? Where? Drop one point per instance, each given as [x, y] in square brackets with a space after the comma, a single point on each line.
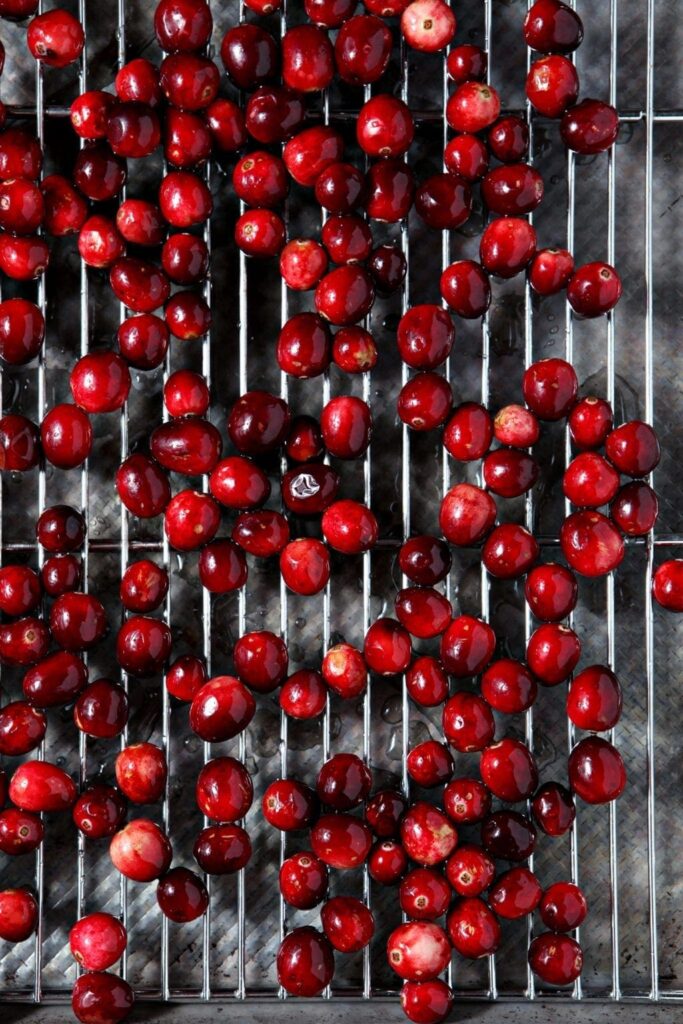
[303, 695]
[141, 773]
[187, 139]
[250, 55]
[591, 543]
[550, 387]
[563, 907]
[388, 267]
[424, 894]
[77, 621]
[55, 680]
[590, 127]
[221, 709]
[550, 271]
[260, 233]
[307, 59]
[41, 787]
[390, 187]
[466, 156]
[427, 682]
[508, 687]
[137, 82]
[552, 27]
[303, 346]
[553, 809]
[426, 1002]
[444, 201]
[516, 426]
[590, 421]
[182, 896]
[184, 201]
[222, 849]
[24, 641]
[190, 445]
[556, 959]
[425, 560]
[20, 590]
[305, 565]
[274, 114]
[191, 520]
[189, 81]
[590, 481]
[387, 649]
[100, 382]
[468, 433]
[258, 422]
[510, 473]
[139, 284]
[143, 341]
[261, 660]
[465, 289]
[60, 574]
[387, 862]
[515, 894]
[303, 261]
[186, 394]
[346, 425]
[341, 841]
[425, 401]
[473, 928]
[425, 336]
[311, 152]
[222, 567]
[552, 653]
[467, 646]
[384, 126]
[90, 112]
[509, 770]
[512, 189]
[386, 8]
[418, 950]
[423, 611]
[143, 645]
[97, 941]
[182, 25]
[237, 482]
[143, 486]
[99, 811]
[428, 25]
[22, 331]
[185, 258]
[133, 130]
[18, 915]
[141, 851]
[466, 801]
[99, 242]
[349, 527]
[22, 728]
[20, 832]
[224, 790]
[143, 587]
[226, 124]
[466, 63]
[508, 140]
[552, 85]
[303, 880]
[551, 592]
[594, 289]
[309, 489]
[98, 174]
[304, 440]
[289, 805]
[23, 259]
[140, 222]
[329, 13]
[509, 551]
[21, 155]
[635, 509]
[667, 585]
[430, 764]
[98, 996]
[347, 923]
[507, 246]
[185, 677]
[101, 710]
[508, 835]
[470, 870]
[345, 672]
[472, 107]
[56, 38]
[468, 724]
[596, 771]
[21, 206]
[305, 962]
[362, 49]
[345, 295]
[427, 835]
[633, 448]
[262, 534]
[66, 435]
[384, 811]
[348, 239]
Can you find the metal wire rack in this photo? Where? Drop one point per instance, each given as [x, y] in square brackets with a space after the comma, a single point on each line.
[621, 207]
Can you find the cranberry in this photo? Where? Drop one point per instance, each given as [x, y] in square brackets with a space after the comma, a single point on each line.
[466, 63]
[274, 114]
[190, 445]
[467, 646]
[466, 156]
[590, 127]
[56, 38]
[311, 152]
[137, 82]
[635, 509]
[470, 870]
[388, 267]
[21, 155]
[425, 336]
[21, 206]
[303, 261]
[60, 574]
[387, 862]
[384, 811]
[553, 809]
[289, 805]
[346, 425]
[551, 591]
[384, 126]
[387, 649]
[347, 923]
[667, 585]
[509, 551]
[468, 724]
[185, 258]
[226, 124]
[185, 677]
[141, 773]
[100, 382]
[550, 387]
[508, 140]
[139, 284]
[97, 941]
[141, 851]
[250, 55]
[184, 201]
[591, 543]
[182, 896]
[262, 534]
[563, 907]
[510, 473]
[24, 641]
[590, 480]
[330, 13]
[133, 130]
[465, 289]
[23, 259]
[425, 401]
[189, 81]
[472, 107]
[99, 242]
[20, 832]
[22, 331]
[221, 709]
[307, 59]
[509, 770]
[309, 489]
[99, 811]
[303, 346]
[258, 422]
[345, 672]
[424, 894]
[594, 289]
[191, 520]
[143, 341]
[349, 527]
[345, 295]
[515, 894]
[508, 835]
[186, 394]
[261, 660]
[428, 25]
[418, 950]
[473, 928]
[224, 790]
[143, 587]
[466, 801]
[469, 432]
[260, 233]
[143, 645]
[386, 8]
[305, 962]
[222, 567]
[239, 483]
[552, 27]
[430, 764]
[427, 682]
[66, 435]
[77, 621]
[305, 565]
[425, 560]
[18, 915]
[427, 835]
[98, 996]
[20, 590]
[507, 246]
[341, 841]
[22, 728]
[444, 201]
[426, 1002]
[390, 187]
[90, 112]
[55, 680]
[550, 271]
[552, 653]
[552, 85]
[98, 174]
[556, 959]
[633, 448]
[222, 849]
[140, 222]
[182, 24]
[596, 771]
[304, 440]
[362, 49]
[39, 786]
[303, 695]
[142, 486]
[424, 612]
[303, 880]
[508, 687]
[348, 239]
[101, 710]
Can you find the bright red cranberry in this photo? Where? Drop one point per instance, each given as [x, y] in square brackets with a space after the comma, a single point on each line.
[563, 907]
[250, 55]
[303, 261]
[143, 645]
[304, 440]
[22, 331]
[221, 709]
[512, 189]
[143, 341]
[426, 1002]
[508, 687]
[349, 527]
[468, 724]
[99, 811]
[591, 543]
[303, 695]
[633, 448]
[137, 82]
[345, 672]
[224, 790]
[427, 682]
[387, 862]
[428, 25]
[60, 574]
[667, 585]
[470, 870]
[590, 481]
[427, 835]
[191, 520]
[144, 586]
[425, 401]
[590, 127]
[362, 49]
[182, 25]
[509, 770]
[384, 811]
[472, 107]
[66, 435]
[347, 923]
[226, 124]
[515, 894]
[143, 486]
[20, 589]
[444, 202]
[552, 27]
[391, 187]
[346, 425]
[99, 996]
[262, 534]
[305, 962]
[469, 432]
[424, 894]
[387, 649]
[22, 208]
[261, 660]
[239, 483]
[303, 880]
[307, 59]
[507, 246]
[553, 809]
[97, 941]
[384, 127]
[99, 242]
[133, 130]
[189, 81]
[345, 295]
[466, 801]
[260, 233]
[23, 259]
[465, 288]
[77, 621]
[273, 114]
[305, 565]
[258, 422]
[184, 201]
[303, 346]
[556, 959]
[341, 841]
[21, 155]
[418, 950]
[473, 928]
[41, 787]
[55, 680]
[22, 728]
[56, 38]
[354, 350]
[222, 849]
[190, 445]
[635, 509]
[467, 646]
[141, 773]
[551, 591]
[553, 653]
[516, 426]
[101, 710]
[596, 771]
[18, 915]
[423, 611]
[425, 336]
[594, 289]
[550, 387]
[140, 222]
[510, 473]
[311, 152]
[24, 641]
[222, 567]
[186, 394]
[141, 851]
[386, 8]
[100, 382]
[550, 271]
[289, 805]
[508, 835]
[185, 677]
[466, 63]
[60, 528]
[182, 895]
[552, 85]
[509, 551]
[466, 156]
[430, 764]
[348, 239]
[329, 13]
[20, 832]
[425, 560]
[90, 112]
[185, 258]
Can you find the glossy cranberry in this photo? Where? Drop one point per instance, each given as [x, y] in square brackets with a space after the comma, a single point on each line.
[509, 551]
[385, 8]
[41, 787]
[330, 13]
[140, 222]
[98, 174]
[553, 809]
[362, 49]
[427, 682]
[187, 139]
[509, 770]
[101, 710]
[512, 189]
[20, 590]
[182, 895]
[349, 527]
[472, 107]
[261, 660]
[189, 81]
[20, 832]
[305, 565]
[24, 641]
[387, 862]
[346, 425]
[508, 835]
[141, 851]
[590, 127]
[345, 671]
[221, 709]
[552, 27]
[305, 962]
[427, 835]
[55, 680]
[99, 242]
[590, 481]
[225, 120]
[391, 187]
[430, 764]
[303, 880]
[424, 894]
[60, 574]
[260, 179]
[191, 520]
[222, 849]
[56, 38]
[516, 426]
[468, 724]
[667, 585]
[591, 543]
[423, 611]
[90, 112]
[473, 928]
[341, 841]
[18, 915]
[141, 773]
[239, 483]
[185, 258]
[66, 435]
[425, 401]
[99, 811]
[508, 140]
[22, 331]
[143, 341]
[190, 445]
[635, 509]
[133, 130]
[552, 653]
[258, 422]
[550, 271]
[304, 440]
[550, 387]
[224, 790]
[466, 156]
[97, 941]
[424, 559]
[144, 586]
[354, 350]
[425, 336]
[303, 346]
[138, 82]
[507, 246]
[467, 646]
[100, 382]
[470, 870]
[262, 534]
[311, 152]
[465, 289]
[551, 592]
[273, 114]
[556, 959]
[347, 238]
[289, 805]
[444, 201]
[383, 812]
[466, 801]
[594, 289]
[563, 907]
[469, 432]
[633, 448]
[21, 206]
[384, 127]
[303, 695]
[21, 155]
[596, 771]
[466, 63]
[98, 997]
[182, 25]
[387, 647]
[142, 646]
[418, 950]
[139, 284]
[77, 621]
[22, 728]
[345, 295]
[143, 486]
[347, 923]
[185, 677]
[222, 567]
[428, 25]
[309, 489]
[508, 687]
[552, 85]
[184, 201]
[307, 59]
[303, 261]
[515, 894]
[426, 1002]
[23, 259]
[250, 55]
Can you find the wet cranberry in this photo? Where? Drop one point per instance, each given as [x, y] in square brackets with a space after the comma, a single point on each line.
[423, 611]
[384, 127]
[468, 433]
[66, 435]
[98, 174]
[362, 49]
[508, 140]
[22, 331]
[387, 862]
[425, 401]
[590, 421]
[633, 448]
[143, 486]
[509, 551]
[20, 832]
[444, 201]
[427, 835]
[384, 811]
[551, 591]
[508, 687]
[19, 443]
[424, 894]
[550, 387]
[552, 27]
[144, 586]
[311, 151]
[667, 585]
[226, 124]
[143, 645]
[345, 295]
[472, 107]
[346, 425]
[186, 393]
[348, 239]
[133, 130]
[138, 82]
[508, 835]
[507, 246]
[191, 520]
[99, 242]
[466, 63]
[388, 267]
[418, 950]
[185, 258]
[303, 346]
[24, 641]
[594, 289]
[425, 560]
[260, 233]
[262, 534]
[387, 648]
[468, 724]
[556, 959]
[430, 764]
[184, 201]
[341, 841]
[347, 923]
[143, 341]
[425, 336]
[18, 915]
[185, 677]
[190, 445]
[182, 24]
[261, 660]
[97, 941]
[635, 509]
[427, 682]
[426, 1002]
[466, 801]
[90, 111]
[100, 382]
[428, 25]
[39, 786]
[509, 770]
[349, 527]
[307, 59]
[101, 710]
[305, 962]
[189, 81]
[77, 621]
[21, 206]
[140, 222]
[222, 849]
[98, 996]
[55, 680]
[391, 187]
[60, 574]
[303, 261]
[221, 709]
[563, 907]
[249, 54]
[594, 700]
[550, 270]
[309, 489]
[466, 156]
[22, 728]
[239, 483]
[141, 851]
[515, 894]
[552, 85]
[273, 114]
[258, 422]
[187, 141]
[596, 771]
[303, 880]
[345, 672]
[303, 695]
[590, 127]
[470, 870]
[466, 289]
[553, 809]
[512, 189]
[591, 543]
[473, 928]
[182, 895]
[20, 589]
[99, 811]
[329, 13]
[552, 653]
[305, 565]
[510, 473]
[139, 284]
[141, 773]
[56, 38]
[467, 646]
[224, 790]
[304, 440]
[289, 805]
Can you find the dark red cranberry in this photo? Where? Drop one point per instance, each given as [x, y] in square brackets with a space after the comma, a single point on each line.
[633, 448]
[90, 111]
[102, 709]
[55, 680]
[466, 63]
[56, 38]
[21, 155]
[187, 315]
[563, 907]
[60, 528]
[635, 509]
[20, 590]
[467, 515]
[23, 259]
[260, 179]
[346, 425]
[329, 13]
[100, 382]
[185, 258]
[509, 551]
[362, 49]
[239, 483]
[424, 894]
[472, 107]
[137, 82]
[425, 560]
[303, 695]
[444, 201]
[305, 566]
[191, 519]
[430, 764]
[226, 124]
[182, 895]
[553, 809]
[224, 790]
[133, 130]
[41, 787]
[24, 641]
[77, 621]
[388, 267]
[468, 723]
[221, 709]
[310, 488]
[20, 832]
[423, 611]
[466, 289]
[341, 841]
[289, 805]
[512, 189]
[427, 835]
[22, 728]
[508, 835]
[262, 534]
[467, 646]
[594, 289]
[141, 851]
[596, 771]
[354, 350]
[425, 401]
[387, 862]
[469, 432]
[182, 25]
[550, 387]
[305, 962]
[552, 85]
[340, 188]
[345, 672]
[261, 660]
[98, 174]
[591, 543]
[303, 880]
[426, 1002]
[551, 591]
[508, 140]
[99, 996]
[418, 950]
[143, 645]
[509, 472]
[508, 687]
[473, 928]
[467, 157]
[222, 849]
[347, 923]
[509, 770]
[349, 527]
[66, 435]
[140, 222]
[22, 209]
[552, 27]
[143, 341]
[303, 261]
[348, 239]
[304, 440]
[466, 801]
[99, 242]
[311, 151]
[590, 127]
[556, 959]
[273, 114]
[190, 445]
[185, 677]
[387, 647]
[139, 284]
[250, 55]
[258, 422]
[97, 941]
[425, 336]
[384, 127]
[507, 246]
[22, 331]
[553, 653]
[303, 346]
[143, 486]
[189, 81]
[141, 773]
[550, 271]
[427, 682]
[515, 894]
[470, 870]
[307, 59]
[390, 187]
[667, 585]
[99, 811]
[383, 812]
[18, 914]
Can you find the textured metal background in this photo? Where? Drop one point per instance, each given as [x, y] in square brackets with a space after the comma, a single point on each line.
[221, 957]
